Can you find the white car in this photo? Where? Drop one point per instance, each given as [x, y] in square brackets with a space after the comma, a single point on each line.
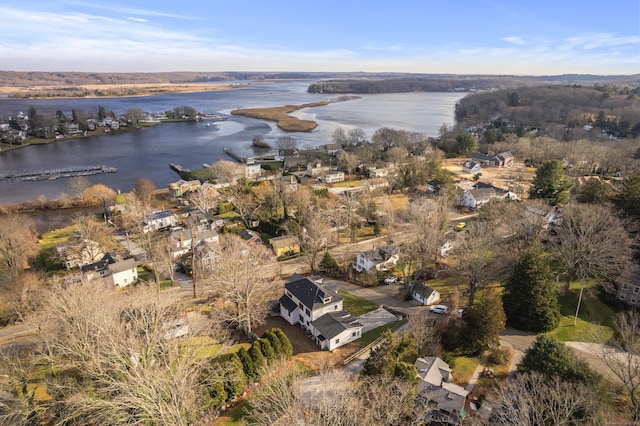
[390, 279]
[439, 309]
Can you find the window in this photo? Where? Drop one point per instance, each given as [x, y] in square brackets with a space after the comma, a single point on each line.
[636, 290]
[625, 286]
[300, 306]
[622, 297]
[337, 340]
[354, 334]
[633, 301]
[307, 312]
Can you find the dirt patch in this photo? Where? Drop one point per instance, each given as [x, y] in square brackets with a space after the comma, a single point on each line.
[303, 347]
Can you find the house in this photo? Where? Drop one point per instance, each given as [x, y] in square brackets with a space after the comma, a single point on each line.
[479, 195]
[471, 167]
[503, 159]
[333, 176]
[482, 159]
[288, 152]
[629, 285]
[78, 252]
[182, 239]
[318, 310]
[118, 272]
[316, 169]
[285, 245]
[287, 183]
[381, 259]
[208, 255]
[250, 236]
[442, 401]
[424, 294]
[182, 187]
[332, 148]
[252, 170]
[158, 220]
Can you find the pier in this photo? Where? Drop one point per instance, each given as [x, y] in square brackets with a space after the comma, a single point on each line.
[60, 173]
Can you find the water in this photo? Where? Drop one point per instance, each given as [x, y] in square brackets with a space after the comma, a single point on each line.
[147, 153]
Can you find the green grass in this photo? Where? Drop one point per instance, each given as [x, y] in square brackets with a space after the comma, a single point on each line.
[463, 369]
[348, 184]
[372, 335]
[53, 238]
[355, 305]
[229, 215]
[202, 346]
[234, 416]
[165, 284]
[594, 320]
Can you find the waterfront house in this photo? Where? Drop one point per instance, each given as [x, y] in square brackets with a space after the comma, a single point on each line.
[158, 220]
[183, 187]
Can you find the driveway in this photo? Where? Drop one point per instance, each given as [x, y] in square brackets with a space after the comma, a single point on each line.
[375, 319]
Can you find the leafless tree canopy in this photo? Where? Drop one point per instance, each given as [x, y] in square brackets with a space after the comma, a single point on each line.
[592, 243]
[533, 400]
[17, 243]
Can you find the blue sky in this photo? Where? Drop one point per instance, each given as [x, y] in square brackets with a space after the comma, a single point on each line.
[424, 36]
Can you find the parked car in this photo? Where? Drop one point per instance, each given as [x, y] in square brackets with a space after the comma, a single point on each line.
[439, 309]
[390, 279]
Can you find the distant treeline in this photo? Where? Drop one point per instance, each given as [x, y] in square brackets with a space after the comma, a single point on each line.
[615, 110]
[448, 83]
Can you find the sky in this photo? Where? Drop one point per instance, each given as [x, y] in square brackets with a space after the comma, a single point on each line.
[515, 37]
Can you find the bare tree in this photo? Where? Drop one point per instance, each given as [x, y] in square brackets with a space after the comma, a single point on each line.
[246, 201]
[205, 198]
[355, 136]
[144, 190]
[424, 330]
[533, 399]
[77, 185]
[348, 161]
[592, 243]
[339, 136]
[240, 291]
[130, 367]
[622, 357]
[226, 171]
[99, 194]
[286, 143]
[17, 243]
[313, 235]
[429, 217]
[397, 155]
[477, 261]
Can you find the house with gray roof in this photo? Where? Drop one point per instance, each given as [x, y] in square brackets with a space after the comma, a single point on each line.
[424, 294]
[318, 309]
[442, 402]
[381, 258]
[115, 271]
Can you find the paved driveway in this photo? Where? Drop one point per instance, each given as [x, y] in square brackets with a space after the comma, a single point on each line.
[375, 319]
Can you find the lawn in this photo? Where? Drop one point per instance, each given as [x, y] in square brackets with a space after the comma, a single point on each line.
[234, 416]
[463, 369]
[372, 335]
[355, 305]
[53, 238]
[348, 184]
[594, 320]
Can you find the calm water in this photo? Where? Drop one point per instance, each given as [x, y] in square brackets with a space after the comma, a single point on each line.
[148, 152]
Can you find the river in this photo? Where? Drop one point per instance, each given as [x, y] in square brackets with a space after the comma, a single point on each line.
[146, 153]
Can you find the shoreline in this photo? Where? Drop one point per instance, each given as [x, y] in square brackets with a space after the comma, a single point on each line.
[96, 91]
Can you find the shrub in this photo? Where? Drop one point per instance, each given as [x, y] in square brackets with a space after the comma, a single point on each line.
[500, 356]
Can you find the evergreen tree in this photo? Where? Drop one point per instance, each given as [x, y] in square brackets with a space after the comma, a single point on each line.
[247, 364]
[274, 341]
[255, 352]
[406, 372]
[267, 350]
[484, 321]
[628, 199]
[285, 343]
[236, 377]
[328, 264]
[551, 184]
[551, 358]
[530, 297]
[381, 362]
[218, 396]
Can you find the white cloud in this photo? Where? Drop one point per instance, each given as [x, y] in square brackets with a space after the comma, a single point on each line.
[514, 40]
[131, 18]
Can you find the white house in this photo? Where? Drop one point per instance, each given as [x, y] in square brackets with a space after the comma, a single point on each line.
[479, 195]
[382, 259]
[158, 220]
[471, 167]
[424, 294]
[319, 311]
[181, 239]
[117, 272]
[333, 176]
[252, 170]
[316, 169]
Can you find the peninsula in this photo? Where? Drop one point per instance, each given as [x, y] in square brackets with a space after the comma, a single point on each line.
[281, 116]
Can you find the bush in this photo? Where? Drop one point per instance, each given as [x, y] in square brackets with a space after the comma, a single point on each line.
[500, 356]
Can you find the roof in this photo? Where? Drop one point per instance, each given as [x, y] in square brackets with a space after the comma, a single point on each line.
[288, 304]
[482, 157]
[159, 215]
[309, 293]
[122, 266]
[423, 290]
[248, 234]
[380, 254]
[283, 241]
[433, 370]
[103, 263]
[332, 324]
[470, 164]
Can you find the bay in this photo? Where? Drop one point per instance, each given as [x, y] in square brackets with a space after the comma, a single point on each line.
[146, 153]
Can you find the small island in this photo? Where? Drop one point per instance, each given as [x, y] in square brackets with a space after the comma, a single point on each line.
[281, 116]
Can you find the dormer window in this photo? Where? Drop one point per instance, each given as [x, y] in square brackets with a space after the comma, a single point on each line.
[327, 299]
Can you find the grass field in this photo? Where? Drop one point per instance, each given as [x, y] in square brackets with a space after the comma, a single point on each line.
[281, 116]
[463, 369]
[594, 320]
[355, 305]
[372, 335]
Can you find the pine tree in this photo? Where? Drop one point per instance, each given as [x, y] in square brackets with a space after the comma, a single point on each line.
[285, 343]
[247, 364]
[551, 184]
[274, 340]
[267, 350]
[237, 379]
[530, 297]
[484, 322]
[255, 352]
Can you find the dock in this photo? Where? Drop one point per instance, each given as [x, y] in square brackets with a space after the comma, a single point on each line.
[60, 173]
